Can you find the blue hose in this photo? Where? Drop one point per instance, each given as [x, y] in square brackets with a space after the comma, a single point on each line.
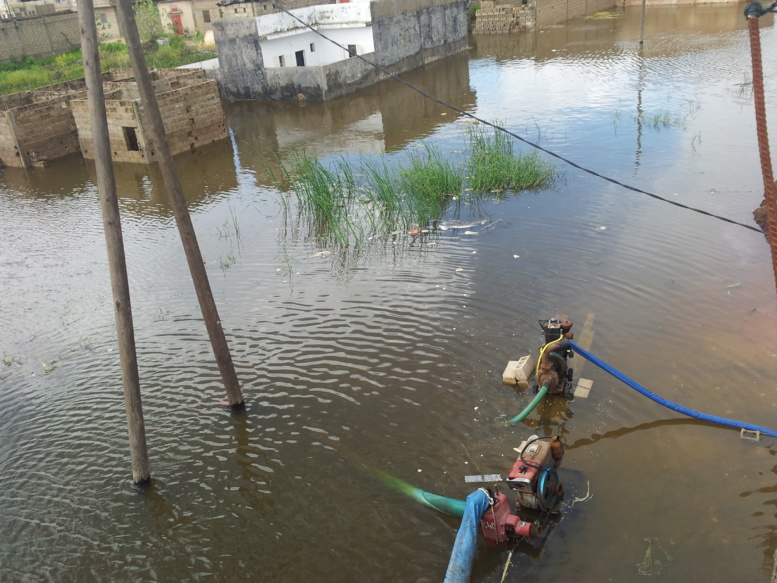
[463, 554]
[661, 401]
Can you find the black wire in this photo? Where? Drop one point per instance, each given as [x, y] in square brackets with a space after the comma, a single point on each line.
[517, 137]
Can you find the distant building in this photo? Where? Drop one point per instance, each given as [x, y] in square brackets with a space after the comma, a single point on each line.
[278, 56]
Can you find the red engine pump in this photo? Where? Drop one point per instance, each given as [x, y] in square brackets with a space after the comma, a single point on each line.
[535, 481]
[534, 476]
[499, 524]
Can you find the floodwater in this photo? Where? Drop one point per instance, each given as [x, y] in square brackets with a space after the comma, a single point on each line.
[390, 356]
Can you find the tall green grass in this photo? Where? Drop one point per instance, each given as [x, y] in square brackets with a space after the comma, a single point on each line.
[494, 167]
[429, 182]
[325, 195]
[346, 203]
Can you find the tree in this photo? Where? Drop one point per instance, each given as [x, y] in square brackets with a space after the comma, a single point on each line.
[148, 21]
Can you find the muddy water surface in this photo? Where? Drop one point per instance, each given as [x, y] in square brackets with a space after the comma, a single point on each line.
[390, 356]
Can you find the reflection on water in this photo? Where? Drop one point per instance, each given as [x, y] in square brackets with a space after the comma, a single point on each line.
[389, 356]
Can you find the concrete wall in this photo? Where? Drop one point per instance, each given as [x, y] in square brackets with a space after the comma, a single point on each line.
[320, 83]
[41, 36]
[241, 70]
[551, 12]
[411, 33]
[406, 34]
[324, 16]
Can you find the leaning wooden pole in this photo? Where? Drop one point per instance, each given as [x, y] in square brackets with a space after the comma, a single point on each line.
[106, 184]
[753, 12]
[162, 153]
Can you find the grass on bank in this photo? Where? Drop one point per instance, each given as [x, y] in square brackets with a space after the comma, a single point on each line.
[32, 73]
[347, 203]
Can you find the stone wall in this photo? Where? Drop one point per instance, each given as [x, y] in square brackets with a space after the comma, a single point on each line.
[505, 16]
[41, 36]
[193, 116]
[38, 126]
[191, 112]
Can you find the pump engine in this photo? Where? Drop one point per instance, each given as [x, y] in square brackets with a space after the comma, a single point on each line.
[553, 370]
[538, 490]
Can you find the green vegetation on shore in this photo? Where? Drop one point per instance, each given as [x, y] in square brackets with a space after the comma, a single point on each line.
[32, 73]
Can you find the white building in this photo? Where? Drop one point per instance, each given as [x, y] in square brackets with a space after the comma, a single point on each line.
[281, 56]
[286, 42]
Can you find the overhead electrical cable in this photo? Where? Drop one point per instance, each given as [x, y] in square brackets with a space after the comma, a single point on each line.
[517, 137]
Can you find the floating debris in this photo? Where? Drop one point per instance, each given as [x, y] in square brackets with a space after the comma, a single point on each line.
[649, 565]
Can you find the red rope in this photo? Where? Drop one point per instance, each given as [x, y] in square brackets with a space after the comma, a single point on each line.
[770, 189]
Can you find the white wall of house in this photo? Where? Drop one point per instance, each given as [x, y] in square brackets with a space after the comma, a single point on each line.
[283, 37]
[316, 50]
[351, 14]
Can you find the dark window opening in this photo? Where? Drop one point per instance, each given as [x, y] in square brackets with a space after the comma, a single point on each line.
[312, 47]
[131, 139]
[351, 51]
[281, 61]
[206, 15]
[300, 55]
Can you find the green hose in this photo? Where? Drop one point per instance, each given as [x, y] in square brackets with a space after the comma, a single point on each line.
[446, 505]
[536, 401]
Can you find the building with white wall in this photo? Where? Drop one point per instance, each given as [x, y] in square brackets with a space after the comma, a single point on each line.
[286, 42]
[275, 56]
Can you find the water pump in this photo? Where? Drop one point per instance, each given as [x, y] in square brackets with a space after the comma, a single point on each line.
[553, 370]
[535, 482]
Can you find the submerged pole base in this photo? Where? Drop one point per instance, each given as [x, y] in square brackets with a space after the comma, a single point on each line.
[233, 407]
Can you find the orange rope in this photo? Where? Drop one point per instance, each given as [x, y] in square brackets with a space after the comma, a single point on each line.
[770, 189]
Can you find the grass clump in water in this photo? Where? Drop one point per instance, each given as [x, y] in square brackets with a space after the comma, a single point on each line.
[428, 182]
[494, 167]
[324, 194]
[383, 192]
[345, 211]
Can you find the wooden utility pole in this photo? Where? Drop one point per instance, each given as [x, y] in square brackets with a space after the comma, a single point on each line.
[161, 151]
[106, 184]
